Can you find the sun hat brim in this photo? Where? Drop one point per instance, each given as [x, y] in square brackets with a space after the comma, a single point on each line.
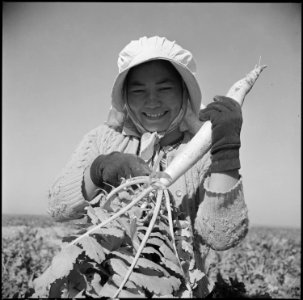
[188, 77]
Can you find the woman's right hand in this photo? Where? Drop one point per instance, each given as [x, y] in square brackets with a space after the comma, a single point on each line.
[110, 169]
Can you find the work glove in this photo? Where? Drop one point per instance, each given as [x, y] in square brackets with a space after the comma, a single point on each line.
[225, 115]
[109, 170]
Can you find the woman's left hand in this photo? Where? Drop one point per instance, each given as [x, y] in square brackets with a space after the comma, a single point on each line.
[225, 115]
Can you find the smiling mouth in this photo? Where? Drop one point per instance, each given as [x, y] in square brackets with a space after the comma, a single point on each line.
[154, 116]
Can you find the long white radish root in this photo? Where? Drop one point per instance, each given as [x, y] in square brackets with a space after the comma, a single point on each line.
[201, 142]
[242, 87]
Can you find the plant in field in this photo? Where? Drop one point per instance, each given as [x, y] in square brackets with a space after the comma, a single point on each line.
[268, 261]
[274, 250]
[135, 243]
[136, 254]
[22, 257]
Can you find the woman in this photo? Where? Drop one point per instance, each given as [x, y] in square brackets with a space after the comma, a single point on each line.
[155, 101]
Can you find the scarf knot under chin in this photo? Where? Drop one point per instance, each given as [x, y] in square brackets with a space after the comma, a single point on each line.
[149, 144]
[149, 141]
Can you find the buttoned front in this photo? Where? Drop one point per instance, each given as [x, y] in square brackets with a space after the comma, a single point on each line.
[178, 190]
[179, 193]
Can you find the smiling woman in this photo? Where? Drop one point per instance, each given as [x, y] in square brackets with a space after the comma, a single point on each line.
[155, 95]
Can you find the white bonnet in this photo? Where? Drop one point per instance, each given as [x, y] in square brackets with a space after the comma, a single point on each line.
[146, 49]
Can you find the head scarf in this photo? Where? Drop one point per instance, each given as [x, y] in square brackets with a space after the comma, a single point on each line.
[140, 51]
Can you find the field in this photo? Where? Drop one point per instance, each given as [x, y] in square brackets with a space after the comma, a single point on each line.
[267, 264]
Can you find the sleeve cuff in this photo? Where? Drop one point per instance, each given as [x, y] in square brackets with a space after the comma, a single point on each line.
[222, 217]
[229, 193]
[66, 200]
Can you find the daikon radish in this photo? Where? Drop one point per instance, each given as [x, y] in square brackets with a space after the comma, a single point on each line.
[201, 142]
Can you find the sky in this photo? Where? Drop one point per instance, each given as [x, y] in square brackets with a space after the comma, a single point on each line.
[60, 62]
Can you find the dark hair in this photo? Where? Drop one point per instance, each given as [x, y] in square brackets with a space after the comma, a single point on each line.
[169, 65]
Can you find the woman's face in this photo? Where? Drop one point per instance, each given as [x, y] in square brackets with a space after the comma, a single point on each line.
[154, 94]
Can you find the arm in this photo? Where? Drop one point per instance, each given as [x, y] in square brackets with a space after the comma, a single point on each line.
[67, 198]
[222, 217]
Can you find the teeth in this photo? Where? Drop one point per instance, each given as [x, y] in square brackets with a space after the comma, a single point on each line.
[154, 115]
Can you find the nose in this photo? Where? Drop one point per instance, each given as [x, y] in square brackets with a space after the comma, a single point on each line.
[153, 99]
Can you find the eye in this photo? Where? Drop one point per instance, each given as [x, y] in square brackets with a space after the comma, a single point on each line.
[137, 91]
[165, 88]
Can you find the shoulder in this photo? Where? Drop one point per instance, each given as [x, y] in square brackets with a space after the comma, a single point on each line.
[100, 136]
[102, 131]
[108, 139]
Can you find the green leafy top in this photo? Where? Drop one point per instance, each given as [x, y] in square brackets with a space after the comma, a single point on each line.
[95, 264]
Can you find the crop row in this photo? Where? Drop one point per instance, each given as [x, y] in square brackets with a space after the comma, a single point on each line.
[267, 262]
